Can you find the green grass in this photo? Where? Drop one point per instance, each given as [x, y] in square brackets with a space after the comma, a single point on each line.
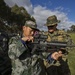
[71, 56]
[72, 36]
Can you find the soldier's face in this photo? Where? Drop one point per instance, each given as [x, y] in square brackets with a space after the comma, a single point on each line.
[27, 31]
[51, 29]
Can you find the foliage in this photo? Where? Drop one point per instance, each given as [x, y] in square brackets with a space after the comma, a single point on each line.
[12, 18]
[72, 29]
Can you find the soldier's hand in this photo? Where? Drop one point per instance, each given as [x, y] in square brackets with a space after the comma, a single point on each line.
[56, 55]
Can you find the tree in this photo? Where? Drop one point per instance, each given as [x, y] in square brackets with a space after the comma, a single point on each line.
[73, 28]
[4, 11]
[13, 17]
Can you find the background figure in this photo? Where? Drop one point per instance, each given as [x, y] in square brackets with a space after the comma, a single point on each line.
[5, 63]
[60, 67]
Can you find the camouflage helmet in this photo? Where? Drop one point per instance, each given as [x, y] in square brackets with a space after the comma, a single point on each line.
[52, 20]
[31, 24]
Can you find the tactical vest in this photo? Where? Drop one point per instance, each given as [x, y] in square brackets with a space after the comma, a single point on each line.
[58, 35]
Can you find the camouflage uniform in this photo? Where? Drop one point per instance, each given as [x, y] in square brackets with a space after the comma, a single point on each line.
[23, 63]
[59, 67]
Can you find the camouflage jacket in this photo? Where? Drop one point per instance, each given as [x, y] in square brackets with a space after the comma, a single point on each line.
[58, 35]
[27, 66]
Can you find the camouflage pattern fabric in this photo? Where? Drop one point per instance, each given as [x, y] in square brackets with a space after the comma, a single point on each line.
[52, 20]
[27, 66]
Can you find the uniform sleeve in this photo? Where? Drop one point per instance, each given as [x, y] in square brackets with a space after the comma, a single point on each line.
[14, 48]
[17, 67]
[12, 51]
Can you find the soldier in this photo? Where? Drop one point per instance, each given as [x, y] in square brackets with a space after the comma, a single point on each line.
[23, 63]
[60, 67]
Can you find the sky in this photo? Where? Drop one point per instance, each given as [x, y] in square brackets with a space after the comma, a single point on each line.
[42, 9]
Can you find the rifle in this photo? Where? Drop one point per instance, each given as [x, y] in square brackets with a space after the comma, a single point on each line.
[41, 45]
